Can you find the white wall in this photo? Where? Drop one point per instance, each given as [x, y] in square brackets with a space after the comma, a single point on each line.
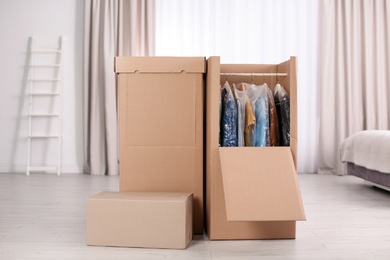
[46, 19]
[276, 29]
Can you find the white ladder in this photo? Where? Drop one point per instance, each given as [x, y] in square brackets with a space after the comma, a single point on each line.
[46, 83]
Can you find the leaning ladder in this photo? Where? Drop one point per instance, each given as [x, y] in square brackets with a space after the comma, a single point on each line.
[48, 60]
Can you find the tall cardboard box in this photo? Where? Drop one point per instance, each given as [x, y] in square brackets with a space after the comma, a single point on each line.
[161, 126]
[140, 219]
[251, 192]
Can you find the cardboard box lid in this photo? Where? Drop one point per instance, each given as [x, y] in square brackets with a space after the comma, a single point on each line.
[160, 64]
[142, 196]
[260, 184]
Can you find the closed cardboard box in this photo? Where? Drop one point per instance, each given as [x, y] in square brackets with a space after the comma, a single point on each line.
[140, 219]
[161, 126]
[251, 192]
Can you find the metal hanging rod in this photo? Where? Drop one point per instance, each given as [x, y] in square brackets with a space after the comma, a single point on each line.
[254, 74]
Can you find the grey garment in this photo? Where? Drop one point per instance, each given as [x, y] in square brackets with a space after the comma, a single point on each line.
[240, 97]
[240, 123]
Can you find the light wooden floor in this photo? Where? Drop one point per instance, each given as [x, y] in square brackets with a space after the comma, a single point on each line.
[43, 217]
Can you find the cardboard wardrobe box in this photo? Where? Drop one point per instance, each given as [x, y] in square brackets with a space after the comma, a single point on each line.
[161, 126]
[251, 192]
[140, 219]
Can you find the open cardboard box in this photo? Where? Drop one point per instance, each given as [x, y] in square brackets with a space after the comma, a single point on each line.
[251, 192]
[161, 126]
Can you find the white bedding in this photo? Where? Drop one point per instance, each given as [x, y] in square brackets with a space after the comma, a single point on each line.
[369, 149]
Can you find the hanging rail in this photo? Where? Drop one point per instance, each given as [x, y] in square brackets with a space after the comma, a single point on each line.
[276, 74]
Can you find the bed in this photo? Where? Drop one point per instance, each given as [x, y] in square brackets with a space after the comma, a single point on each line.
[367, 155]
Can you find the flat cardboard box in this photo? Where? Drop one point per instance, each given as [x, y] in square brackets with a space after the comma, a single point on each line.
[140, 219]
[251, 192]
[161, 126]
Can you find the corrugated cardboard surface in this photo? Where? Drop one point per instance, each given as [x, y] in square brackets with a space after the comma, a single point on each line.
[233, 208]
[140, 219]
[161, 110]
[161, 126]
[278, 195]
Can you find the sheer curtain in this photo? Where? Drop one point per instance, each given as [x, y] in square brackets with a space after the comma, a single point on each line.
[354, 74]
[257, 31]
[111, 28]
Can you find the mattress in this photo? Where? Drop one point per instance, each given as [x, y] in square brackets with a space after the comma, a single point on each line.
[369, 149]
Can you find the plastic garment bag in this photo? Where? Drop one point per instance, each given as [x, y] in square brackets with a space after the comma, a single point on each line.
[262, 117]
[229, 118]
[250, 119]
[273, 120]
[282, 102]
[240, 97]
[253, 94]
[220, 116]
[259, 101]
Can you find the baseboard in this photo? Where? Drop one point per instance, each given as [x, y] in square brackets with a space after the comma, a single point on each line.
[65, 169]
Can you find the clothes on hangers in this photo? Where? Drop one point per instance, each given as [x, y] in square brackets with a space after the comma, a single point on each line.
[254, 115]
[273, 120]
[282, 102]
[259, 101]
[229, 117]
[220, 116]
[250, 119]
[262, 117]
[240, 97]
[253, 95]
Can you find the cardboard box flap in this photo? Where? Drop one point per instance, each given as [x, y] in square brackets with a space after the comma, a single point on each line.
[160, 64]
[142, 196]
[260, 184]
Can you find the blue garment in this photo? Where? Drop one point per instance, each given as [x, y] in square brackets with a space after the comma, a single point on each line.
[253, 95]
[262, 120]
[229, 118]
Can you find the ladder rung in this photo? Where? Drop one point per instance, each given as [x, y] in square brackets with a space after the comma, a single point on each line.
[42, 168]
[45, 51]
[49, 115]
[54, 79]
[38, 62]
[44, 136]
[46, 65]
[44, 93]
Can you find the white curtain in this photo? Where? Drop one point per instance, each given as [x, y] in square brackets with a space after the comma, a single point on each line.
[111, 28]
[257, 31]
[354, 74]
